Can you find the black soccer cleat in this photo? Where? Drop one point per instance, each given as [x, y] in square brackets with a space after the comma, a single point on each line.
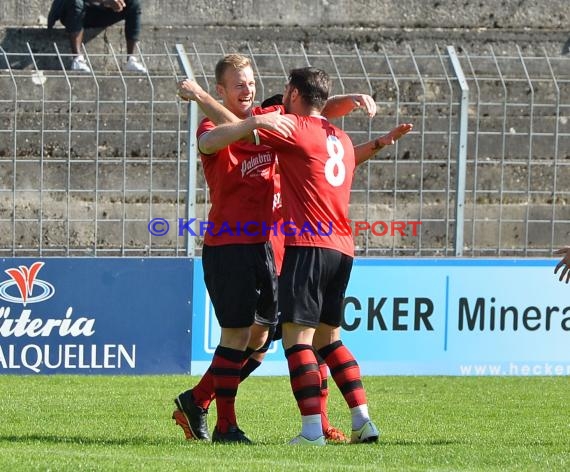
[196, 424]
[233, 435]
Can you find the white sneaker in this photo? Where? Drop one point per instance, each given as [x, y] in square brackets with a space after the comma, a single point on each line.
[303, 441]
[133, 65]
[79, 64]
[368, 433]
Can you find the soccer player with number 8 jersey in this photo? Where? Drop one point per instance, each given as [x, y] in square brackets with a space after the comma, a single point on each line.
[239, 271]
[316, 165]
[317, 162]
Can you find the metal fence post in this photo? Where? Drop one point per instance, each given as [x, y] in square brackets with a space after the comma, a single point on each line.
[461, 151]
[192, 152]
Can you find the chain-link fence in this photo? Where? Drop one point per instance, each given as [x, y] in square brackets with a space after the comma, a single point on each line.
[88, 160]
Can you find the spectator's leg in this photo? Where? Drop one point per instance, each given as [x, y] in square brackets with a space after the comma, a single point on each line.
[73, 18]
[132, 24]
[131, 14]
[76, 40]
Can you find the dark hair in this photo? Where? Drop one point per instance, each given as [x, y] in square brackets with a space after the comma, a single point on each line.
[312, 84]
[273, 100]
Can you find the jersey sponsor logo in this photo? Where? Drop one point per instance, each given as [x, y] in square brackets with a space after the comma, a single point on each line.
[256, 165]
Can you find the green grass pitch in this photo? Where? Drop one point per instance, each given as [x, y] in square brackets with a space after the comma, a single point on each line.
[72, 423]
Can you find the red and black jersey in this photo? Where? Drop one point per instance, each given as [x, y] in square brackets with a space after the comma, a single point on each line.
[277, 236]
[316, 164]
[240, 179]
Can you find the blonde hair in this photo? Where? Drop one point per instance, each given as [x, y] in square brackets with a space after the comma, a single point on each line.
[235, 61]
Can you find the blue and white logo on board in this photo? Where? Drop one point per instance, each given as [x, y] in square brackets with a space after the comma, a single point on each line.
[30, 289]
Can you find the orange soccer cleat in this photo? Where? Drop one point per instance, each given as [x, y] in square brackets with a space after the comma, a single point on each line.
[335, 435]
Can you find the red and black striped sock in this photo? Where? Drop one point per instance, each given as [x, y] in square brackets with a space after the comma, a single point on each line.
[305, 378]
[226, 368]
[249, 364]
[323, 369]
[203, 392]
[345, 372]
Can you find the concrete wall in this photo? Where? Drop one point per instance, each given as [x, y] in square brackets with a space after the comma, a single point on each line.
[533, 26]
[517, 14]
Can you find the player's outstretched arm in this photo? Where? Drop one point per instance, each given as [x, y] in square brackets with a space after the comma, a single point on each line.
[365, 151]
[564, 264]
[190, 90]
[341, 105]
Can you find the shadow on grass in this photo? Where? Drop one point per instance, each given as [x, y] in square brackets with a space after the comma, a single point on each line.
[55, 439]
[146, 441]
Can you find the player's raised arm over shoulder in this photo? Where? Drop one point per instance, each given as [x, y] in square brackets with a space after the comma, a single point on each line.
[226, 134]
[341, 105]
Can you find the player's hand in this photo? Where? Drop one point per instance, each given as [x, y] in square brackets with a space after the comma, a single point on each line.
[366, 102]
[275, 121]
[394, 134]
[189, 89]
[564, 264]
[115, 5]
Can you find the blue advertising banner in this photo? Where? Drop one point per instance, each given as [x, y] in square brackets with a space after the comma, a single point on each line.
[95, 315]
[437, 317]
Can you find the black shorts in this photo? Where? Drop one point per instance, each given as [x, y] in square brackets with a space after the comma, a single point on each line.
[242, 283]
[312, 285]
